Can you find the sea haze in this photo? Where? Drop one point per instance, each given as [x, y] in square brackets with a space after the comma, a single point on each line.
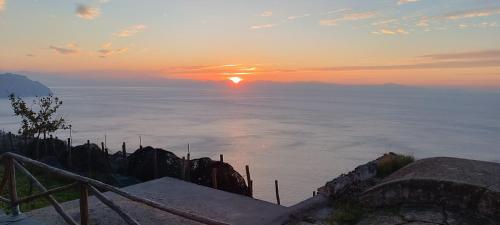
[299, 134]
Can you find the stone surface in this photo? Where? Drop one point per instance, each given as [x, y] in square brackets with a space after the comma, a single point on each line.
[451, 182]
[423, 213]
[381, 218]
[223, 206]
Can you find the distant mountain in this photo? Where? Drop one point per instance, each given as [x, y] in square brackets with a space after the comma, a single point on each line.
[21, 86]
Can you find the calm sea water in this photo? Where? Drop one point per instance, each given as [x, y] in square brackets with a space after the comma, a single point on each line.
[302, 136]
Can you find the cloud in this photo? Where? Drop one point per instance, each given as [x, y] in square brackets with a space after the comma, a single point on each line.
[384, 22]
[2, 5]
[30, 55]
[472, 59]
[391, 31]
[348, 17]
[66, 50]
[485, 54]
[473, 13]
[107, 50]
[298, 17]
[264, 26]
[87, 12]
[131, 30]
[402, 2]
[266, 14]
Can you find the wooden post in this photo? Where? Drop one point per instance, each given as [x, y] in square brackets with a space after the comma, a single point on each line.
[155, 163]
[183, 168]
[89, 160]
[12, 187]
[250, 188]
[221, 158]
[277, 192]
[70, 160]
[249, 181]
[102, 147]
[214, 178]
[188, 166]
[140, 142]
[51, 143]
[124, 151]
[11, 143]
[84, 205]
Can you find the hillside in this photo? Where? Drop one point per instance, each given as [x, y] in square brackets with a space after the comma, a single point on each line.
[21, 86]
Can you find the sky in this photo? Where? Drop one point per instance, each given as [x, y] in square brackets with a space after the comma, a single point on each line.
[410, 42]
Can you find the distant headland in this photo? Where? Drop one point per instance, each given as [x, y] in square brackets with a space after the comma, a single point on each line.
[21, 86]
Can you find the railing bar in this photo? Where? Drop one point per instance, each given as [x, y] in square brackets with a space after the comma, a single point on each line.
[5, 178]
[125, 194]
[51, 191]
[113, 206]
[13, 187]
[51, 199]
[6, 200]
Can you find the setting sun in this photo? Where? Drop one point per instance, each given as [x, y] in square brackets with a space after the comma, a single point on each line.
[235, 80]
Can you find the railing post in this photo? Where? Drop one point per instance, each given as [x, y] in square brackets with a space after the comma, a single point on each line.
[249, 181]
[89, 160]
[277, 192]
[70, 161]
[12, 186]
[84, 205]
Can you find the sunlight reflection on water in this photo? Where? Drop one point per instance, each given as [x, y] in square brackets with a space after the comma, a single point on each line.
[302, 138]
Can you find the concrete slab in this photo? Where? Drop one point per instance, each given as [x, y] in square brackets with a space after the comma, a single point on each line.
[204, 201]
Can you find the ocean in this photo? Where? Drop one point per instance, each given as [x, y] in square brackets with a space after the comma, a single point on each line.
[301, 135]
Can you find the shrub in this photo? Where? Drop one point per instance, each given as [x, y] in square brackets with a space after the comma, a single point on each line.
[391, 163]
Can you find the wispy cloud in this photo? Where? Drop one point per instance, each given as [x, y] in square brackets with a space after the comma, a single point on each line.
[266, 14]
[473, 13]
[87, 12]
[348, 17]
[298, 17]
[131, 30]
[66, 50]
[472, 59]
[402, 2]
[264, 26]
[107, 50]
[484, 54]
[384, 22]
[391, 31]
[2, 5]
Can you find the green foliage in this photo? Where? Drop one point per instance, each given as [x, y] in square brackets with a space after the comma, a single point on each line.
[49, 181]
[388, 165]
[347, 213]
[42, 120]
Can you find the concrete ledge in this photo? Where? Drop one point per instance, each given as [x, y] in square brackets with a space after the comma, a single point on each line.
[450, 182]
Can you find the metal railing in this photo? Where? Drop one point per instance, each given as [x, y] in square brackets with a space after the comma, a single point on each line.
[13, 161]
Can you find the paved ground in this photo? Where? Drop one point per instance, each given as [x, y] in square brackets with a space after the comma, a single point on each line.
[219, 205]
[17, 220]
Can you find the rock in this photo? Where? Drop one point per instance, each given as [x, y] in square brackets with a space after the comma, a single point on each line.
[381, 218]
[349, 186]
[85, 157]
[423, 213]
[140, 164]
[227, 178]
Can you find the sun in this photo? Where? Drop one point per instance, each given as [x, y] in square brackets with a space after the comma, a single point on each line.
[235, 80]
